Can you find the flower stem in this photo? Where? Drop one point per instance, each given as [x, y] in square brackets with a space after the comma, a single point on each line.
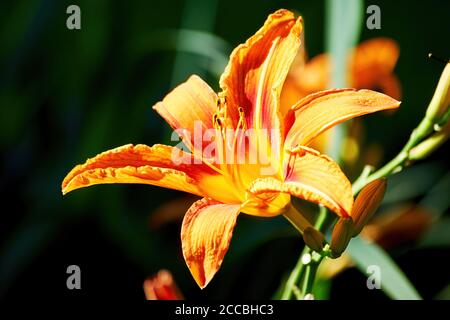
[300, 266]
[424, 128]
[306, 269]
[310, 275]
[294, 276]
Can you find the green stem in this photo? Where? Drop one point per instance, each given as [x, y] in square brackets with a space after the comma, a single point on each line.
[299, 267]
[295, 275]
[310, 276]
[321, 219]
[391, 166]
[306, 287]
[423, 130]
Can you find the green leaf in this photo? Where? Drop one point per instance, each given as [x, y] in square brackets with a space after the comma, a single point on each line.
[322, 289]
[199, 43]
[444, 294]
[342, 30]
[393, 281]
[343, 27]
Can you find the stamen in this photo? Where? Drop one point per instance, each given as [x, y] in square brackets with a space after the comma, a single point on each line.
[213, 167]
[257, 201]
[291, 163]
[239, 131]
[436, 58]
[241, 124]
[228, 144]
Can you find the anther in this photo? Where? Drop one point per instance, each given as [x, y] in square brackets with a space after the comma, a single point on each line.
[216, 120]
[436, 58]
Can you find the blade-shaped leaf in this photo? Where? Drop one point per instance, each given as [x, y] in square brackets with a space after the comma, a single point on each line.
[393, 281]
[343, 27]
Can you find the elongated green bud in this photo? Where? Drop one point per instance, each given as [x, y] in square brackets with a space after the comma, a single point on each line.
[427, 147]
[441, 98]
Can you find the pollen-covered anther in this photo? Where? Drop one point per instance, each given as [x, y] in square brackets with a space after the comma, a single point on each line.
[222, 107]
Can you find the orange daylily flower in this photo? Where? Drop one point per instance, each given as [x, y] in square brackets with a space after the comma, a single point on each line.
[249, 101]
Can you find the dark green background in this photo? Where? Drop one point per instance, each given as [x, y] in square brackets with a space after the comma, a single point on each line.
[66, 95]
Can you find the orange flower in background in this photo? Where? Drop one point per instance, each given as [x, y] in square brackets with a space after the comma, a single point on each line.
[249, 107]
[403, 224]
[370, 66]
[162, 287]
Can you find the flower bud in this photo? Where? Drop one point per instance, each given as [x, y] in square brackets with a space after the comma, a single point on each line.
[162, 287]
[342, 233]
[427, 147]
[366, 203]
[296, 219]
[441, 98]
[313, 239]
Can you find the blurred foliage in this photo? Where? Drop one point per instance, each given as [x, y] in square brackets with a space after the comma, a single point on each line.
[66, 95]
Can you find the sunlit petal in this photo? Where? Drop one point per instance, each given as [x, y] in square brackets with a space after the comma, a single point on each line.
[205, 236]
[257, 69]
[189, 109]
[313, 177]
[159, 165]
[322, 110]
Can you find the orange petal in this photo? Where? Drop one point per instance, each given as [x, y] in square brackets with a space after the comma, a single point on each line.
[205, 236]
[257, 69]
[372, 61]
[189, 109]
[159, 165]
[314, 76]
[292, 92]
[322, 110]
[313, 177]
